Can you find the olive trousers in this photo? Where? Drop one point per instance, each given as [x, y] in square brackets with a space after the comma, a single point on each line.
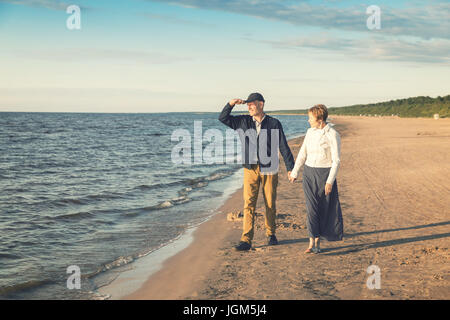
[253, 179]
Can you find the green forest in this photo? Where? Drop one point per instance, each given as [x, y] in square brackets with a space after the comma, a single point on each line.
[410, 107]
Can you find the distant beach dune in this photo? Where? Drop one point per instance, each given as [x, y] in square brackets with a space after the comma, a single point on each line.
[394, 190]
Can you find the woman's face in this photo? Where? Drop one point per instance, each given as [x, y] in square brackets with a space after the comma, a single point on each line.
[313, 122]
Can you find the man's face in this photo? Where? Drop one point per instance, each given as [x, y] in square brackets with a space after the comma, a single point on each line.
[255, 108]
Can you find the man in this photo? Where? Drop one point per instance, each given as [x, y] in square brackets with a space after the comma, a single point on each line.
[260, 135]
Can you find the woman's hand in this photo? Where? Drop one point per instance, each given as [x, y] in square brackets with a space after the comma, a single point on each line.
[291, 179]
[328, 188]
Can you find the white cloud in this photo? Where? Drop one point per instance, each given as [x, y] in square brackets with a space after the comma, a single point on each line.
[373, 48]
[426, 20]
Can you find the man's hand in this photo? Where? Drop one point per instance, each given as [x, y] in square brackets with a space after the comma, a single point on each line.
[328, 188]
[236, 101]
[291, 179]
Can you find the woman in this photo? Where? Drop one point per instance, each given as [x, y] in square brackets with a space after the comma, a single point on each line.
[320, 153]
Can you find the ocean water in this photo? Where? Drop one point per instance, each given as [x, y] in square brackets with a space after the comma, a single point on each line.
[98, 191]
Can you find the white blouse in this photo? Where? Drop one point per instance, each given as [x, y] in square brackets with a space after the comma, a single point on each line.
[321, 148]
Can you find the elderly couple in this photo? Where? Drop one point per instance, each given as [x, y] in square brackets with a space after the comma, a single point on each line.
[319, 153]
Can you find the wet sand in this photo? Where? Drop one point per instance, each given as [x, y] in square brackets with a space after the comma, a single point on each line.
[395, 196]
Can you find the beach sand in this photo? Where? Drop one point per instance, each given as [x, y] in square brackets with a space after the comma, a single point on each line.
[395, 196]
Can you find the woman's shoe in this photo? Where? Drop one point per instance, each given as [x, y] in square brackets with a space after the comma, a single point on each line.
[316, 250]
[309, 250]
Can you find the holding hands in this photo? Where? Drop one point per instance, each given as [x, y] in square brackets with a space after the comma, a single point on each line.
[291, 179]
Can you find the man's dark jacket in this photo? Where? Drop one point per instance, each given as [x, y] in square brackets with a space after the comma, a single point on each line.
[246, 122]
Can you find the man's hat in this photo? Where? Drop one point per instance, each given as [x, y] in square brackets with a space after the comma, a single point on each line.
[253, 97]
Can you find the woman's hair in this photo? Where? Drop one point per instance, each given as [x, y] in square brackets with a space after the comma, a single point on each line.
[319, 111]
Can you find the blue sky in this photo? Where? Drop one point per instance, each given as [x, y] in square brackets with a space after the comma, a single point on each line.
[192, 55]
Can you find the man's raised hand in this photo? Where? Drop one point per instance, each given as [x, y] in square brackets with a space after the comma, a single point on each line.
[236, 101]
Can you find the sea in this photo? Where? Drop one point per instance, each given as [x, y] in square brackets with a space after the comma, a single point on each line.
[88, 193]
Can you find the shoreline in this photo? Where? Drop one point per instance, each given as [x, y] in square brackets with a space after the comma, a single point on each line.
[155, 287]
[137, 272]
[129, 282]
[172, 270]
[384, 225]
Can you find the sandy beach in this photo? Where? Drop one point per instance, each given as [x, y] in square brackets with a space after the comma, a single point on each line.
[394, 191]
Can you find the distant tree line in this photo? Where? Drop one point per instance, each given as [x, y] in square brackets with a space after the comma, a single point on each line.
[410, 107]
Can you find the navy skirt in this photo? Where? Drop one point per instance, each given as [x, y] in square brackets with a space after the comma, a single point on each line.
[324, 215]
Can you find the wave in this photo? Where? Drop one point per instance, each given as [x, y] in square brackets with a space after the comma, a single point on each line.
[190, 185]
[124, 260]
[156, 134]
[9, 256]
[105, 196]
[81, 200]
[120, 261]
[49, 131]
[194, 183]
[165, 204]
[218, 176]
[32, 284]
[168, 203]
[69, 201]
[77, 215]
[158, 185]
[185, 191]
[23, 286]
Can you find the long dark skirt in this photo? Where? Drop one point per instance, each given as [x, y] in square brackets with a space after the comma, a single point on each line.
[324, 212]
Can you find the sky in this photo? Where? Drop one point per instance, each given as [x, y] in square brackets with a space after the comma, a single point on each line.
[192, 55]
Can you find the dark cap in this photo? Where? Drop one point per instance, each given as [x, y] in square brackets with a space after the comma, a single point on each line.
[253, 97]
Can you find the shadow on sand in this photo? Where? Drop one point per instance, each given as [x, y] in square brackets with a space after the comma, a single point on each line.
[372, 245]
[387, 243]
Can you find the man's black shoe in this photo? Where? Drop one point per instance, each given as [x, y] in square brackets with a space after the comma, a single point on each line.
[272, 240]
[243, 246]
